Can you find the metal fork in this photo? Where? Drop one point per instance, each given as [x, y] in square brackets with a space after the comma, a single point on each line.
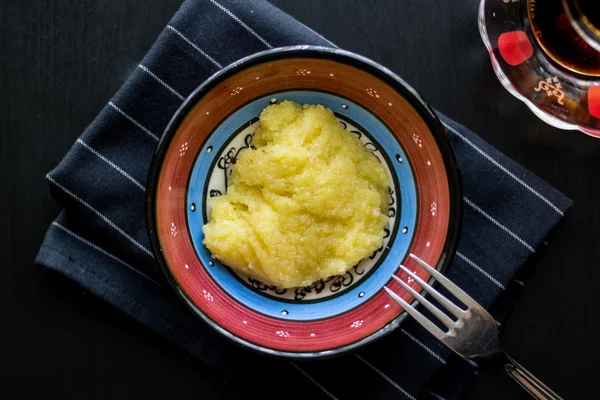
[474, 333]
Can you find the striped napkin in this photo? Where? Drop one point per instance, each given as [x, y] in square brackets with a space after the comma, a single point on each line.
[99, 239]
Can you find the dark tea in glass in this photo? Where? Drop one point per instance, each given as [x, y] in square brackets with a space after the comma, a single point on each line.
[555, 29]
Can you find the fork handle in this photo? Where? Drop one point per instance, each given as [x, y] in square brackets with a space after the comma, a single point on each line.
[530, 383]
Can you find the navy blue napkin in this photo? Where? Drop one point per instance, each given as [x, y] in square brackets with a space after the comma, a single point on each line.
[99, 239]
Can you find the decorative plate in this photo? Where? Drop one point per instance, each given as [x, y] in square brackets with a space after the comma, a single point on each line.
[193, 163]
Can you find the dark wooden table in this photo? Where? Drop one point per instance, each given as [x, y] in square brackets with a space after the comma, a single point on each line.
[61, 61]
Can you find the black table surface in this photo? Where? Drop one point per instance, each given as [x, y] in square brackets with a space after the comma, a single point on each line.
[62, 60]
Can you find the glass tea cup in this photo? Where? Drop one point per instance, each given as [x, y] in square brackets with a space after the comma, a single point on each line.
[547, 54]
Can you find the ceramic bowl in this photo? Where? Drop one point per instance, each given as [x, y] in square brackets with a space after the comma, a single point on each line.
[193, 163]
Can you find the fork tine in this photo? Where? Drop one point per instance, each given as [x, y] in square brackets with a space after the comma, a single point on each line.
[450, 306]
[421, 319]
[426, 303]
[447, 283]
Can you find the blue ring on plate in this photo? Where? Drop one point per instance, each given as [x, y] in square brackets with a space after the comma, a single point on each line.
[387, 143]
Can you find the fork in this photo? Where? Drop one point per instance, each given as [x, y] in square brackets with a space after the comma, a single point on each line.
[473, 334]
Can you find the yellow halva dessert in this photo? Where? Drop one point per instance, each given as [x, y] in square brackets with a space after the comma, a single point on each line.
[308, 202]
